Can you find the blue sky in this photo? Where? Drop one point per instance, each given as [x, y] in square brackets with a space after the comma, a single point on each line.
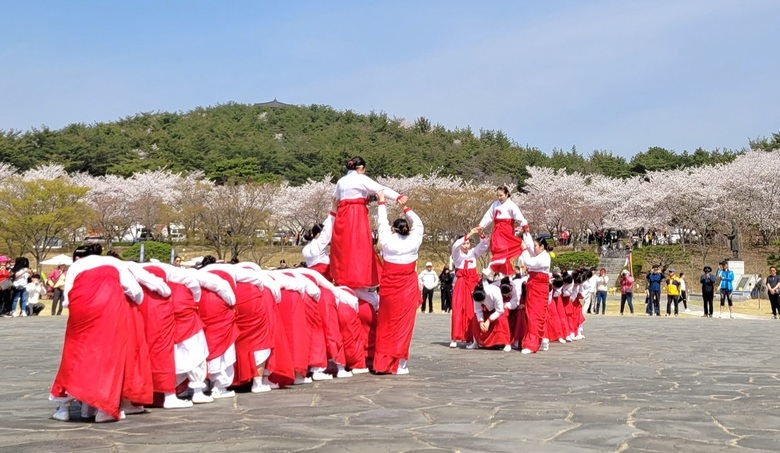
[615, 75]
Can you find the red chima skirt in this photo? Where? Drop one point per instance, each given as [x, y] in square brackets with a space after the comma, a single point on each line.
[399, 299]
[504, 246]
[498, 330]
[353, 260]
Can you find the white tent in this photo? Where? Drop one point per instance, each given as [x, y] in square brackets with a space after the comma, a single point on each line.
[57, 260]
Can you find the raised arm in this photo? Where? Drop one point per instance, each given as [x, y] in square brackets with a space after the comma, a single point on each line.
[384, 232]
[374, 187]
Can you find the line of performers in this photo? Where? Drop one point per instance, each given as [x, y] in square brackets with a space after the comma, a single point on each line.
[140, 334]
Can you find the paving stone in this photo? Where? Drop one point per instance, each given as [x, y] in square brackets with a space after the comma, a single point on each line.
[634, 384]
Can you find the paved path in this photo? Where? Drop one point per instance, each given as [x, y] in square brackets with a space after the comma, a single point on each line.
[634, 384]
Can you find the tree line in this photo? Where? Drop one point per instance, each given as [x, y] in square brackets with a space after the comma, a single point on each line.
[256, 143]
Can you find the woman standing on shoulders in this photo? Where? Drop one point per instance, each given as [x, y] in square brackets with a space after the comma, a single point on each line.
[398, 291]
[353, 260]
[464, 259]
[504, 245]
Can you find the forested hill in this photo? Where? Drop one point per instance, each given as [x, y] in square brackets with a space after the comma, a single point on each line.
[260, 142]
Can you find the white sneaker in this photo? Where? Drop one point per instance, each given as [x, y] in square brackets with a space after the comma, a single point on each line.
[731, 316]
[131, 409]
[343, 374]
[258, 387]
[472, 345]
[320, 376]
[172, 402]
[545, 346]
[401, 371]
[218, 393]
[302, 380]
[687, 310]
[526, 351]
[103, 417]
[24, 314]
[267, 382]
[62, 414]
[201, 398]
[14, 314]
[570, 338]
[579, 336]
[453, 344]
[507, 348]
[562, 340]
[359, 370]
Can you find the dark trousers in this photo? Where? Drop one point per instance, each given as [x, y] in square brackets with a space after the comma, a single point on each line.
[56, 300]
[655, 303]
[672, 300]
[5, 301]
[774, 300]
[627, 297]
[446, 300]
[684, 298]
[35, 309]
[725, 294]
[427, 294]
[707, 298]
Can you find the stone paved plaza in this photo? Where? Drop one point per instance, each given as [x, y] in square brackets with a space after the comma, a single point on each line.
[634, 384]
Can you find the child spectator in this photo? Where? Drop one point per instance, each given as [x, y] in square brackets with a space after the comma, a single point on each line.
[35, 290]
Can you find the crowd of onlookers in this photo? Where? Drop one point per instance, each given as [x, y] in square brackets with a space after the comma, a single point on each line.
[23, 288]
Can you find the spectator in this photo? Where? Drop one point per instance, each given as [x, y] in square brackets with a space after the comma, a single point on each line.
[602, 286]
[56, 281]
[428, 280]
[654, 287]
[282, 264]
[773, 290]
[21, 274]
[672, 293]
[446, 279]
[35, 290]
[6, 287]
[707, 291]
[177, 261]
[626, 291]
[684, 292]
[726, 282]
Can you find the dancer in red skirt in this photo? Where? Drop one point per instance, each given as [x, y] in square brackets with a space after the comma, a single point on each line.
[354, 262]
[159, 327]
[191, 348]
[398, 291]
[105, 359]
[537, 260]
[219, 319]
[514, 306]
[490, 326]
[504, 245]
[464, 260]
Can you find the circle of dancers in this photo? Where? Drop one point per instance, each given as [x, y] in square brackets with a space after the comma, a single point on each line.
[157, 334]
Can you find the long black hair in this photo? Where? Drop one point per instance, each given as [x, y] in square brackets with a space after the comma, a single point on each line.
[401, 226]
[543, 243]
[313, 232]
[84, 251]
[208, 259]
[478, 294]
[19, 264]
[356, 162]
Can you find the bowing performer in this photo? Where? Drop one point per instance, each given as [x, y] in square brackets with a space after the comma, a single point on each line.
[464, 260]
[105, 359]
[219, 319]
[398, 290]
[353, 261]
[504, 244]
[489, 326]
[191, 349]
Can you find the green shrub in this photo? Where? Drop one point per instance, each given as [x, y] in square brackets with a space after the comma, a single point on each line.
[572, 260]
[636, 265]
[152, 249]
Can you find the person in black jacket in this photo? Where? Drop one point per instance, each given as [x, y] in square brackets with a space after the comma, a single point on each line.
[707, 291]
[445, 283]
